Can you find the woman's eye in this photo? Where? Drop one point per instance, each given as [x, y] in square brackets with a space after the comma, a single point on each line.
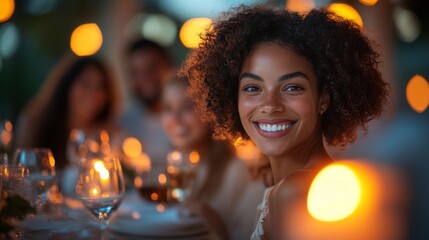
[293, 88]
[251, 88]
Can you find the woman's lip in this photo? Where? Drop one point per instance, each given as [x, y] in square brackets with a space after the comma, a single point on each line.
[273, 121]
[276, 134]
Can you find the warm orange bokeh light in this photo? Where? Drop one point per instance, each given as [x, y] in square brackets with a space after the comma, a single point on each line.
[104, 136]
[194, 157]
[162, 179]
[8, 126]
[191, 31]
[154, 196]
[5, 137]
[347, 12]
[334, 194]
[300, 5]
[101, 169]
[52, 161]
[132, 147]
[138, 182]
[86, 39]
[368, 2]
[417, 93]
[247, 151]
[7, 7]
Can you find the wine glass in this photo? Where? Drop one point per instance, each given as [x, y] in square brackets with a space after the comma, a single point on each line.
[38, 171]
[181, 168]
[101, 187]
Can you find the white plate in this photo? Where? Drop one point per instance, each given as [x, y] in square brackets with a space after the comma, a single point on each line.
[151, 223]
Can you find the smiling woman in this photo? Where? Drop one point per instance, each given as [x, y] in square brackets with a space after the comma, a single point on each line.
[288, 82]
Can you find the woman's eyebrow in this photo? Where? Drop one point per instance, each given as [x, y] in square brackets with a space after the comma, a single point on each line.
[282, 78]
[293, 75]
[250, 75]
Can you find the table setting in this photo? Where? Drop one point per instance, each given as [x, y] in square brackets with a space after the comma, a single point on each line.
[94, 200]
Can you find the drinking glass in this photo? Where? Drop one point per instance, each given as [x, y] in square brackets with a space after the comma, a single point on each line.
[181, 168]
[38, 171]
[153, 184]
[101, 187]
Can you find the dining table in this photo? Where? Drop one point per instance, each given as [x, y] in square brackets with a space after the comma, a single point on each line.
[136, 218]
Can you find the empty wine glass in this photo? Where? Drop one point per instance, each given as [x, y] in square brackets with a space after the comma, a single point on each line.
[101, 187]
[38, 171]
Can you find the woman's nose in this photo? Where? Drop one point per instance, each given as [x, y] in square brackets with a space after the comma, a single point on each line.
[271, 104]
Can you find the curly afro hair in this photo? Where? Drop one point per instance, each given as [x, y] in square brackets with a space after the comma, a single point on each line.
[343, 59]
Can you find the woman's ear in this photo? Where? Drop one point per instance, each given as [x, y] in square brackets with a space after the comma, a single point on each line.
[324, 101]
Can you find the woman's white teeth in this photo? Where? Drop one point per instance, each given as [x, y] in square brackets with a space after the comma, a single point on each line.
[274, 127]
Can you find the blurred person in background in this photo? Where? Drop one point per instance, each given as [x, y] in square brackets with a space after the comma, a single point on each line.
[148, 65]
[81, 94]
[223, 184]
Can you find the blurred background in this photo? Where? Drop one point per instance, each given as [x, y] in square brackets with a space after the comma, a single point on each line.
[35, 34]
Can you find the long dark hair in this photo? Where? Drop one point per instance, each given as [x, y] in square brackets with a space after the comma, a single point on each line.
[49, 119]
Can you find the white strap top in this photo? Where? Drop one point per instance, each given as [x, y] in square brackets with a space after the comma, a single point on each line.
[258, 234]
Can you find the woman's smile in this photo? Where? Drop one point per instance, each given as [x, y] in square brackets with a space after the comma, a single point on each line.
[273, 128]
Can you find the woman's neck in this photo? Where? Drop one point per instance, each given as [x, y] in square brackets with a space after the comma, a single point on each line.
[305, 156]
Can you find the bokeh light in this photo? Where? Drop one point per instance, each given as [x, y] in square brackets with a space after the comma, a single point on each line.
[417, 93]
[368, 2]
[194, 157]
[408, 25]
[246, 150]
[40, 7]
[159, 28]
[346, 11]
[300, 5]
[9, 39]
[191, 31]
[132, 147]
[142, 163]
[138, 182]
[162, 178]
[334, 194]
[7, 7]
[160, 207]
[86, 39]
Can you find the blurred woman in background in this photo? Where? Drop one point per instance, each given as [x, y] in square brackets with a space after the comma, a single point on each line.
[222, 183]
[80, 94]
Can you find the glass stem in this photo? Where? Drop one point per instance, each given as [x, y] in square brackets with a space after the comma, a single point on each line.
[103, 233]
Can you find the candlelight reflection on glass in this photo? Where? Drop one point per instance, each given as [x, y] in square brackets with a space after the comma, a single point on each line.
[101, 187]
[181, 170]
[37, 167]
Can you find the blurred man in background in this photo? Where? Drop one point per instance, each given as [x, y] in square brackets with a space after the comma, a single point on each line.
[148, 65]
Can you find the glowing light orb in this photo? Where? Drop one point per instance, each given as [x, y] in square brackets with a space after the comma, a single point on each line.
[300, 5]
[162, 179]
[368, 2]
[86, 39]
[417, 93]
[132, 147]
[191, 31]
[334, 194]
[7, 7]
[347, 12]
[194, 157]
